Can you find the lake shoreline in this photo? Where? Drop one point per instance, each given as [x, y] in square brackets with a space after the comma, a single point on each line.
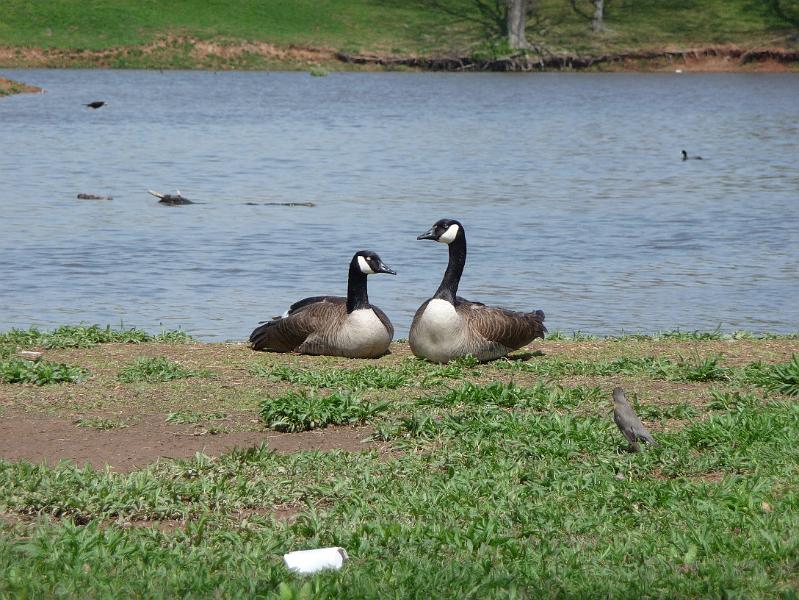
[9, 87]
[190, 53]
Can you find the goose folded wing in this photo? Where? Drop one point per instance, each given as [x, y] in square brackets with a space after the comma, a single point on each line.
[510, 328]
[313, 300]
[288, 333]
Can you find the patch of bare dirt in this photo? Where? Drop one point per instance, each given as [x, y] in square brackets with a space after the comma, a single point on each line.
[38, 438]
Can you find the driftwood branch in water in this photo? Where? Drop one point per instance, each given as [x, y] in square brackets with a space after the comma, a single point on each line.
[94, 197]
[170, 199]
[309, 204]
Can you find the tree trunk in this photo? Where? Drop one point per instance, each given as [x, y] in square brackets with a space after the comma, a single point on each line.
[599, 9]
[517, 20]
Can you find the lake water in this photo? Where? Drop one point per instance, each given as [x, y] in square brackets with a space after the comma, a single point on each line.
[570, 187]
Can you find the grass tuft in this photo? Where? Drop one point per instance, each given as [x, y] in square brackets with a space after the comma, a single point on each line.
[353, 379]
[82, 336]
[101, 423]
[183, 417]
[155, 369]
[39, 372]
[783, 378]
[698, 369]
[306, 410]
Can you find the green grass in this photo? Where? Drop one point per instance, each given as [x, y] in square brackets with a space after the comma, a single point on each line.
[509, 395]
[355, 379]
[513, 504]
[156, 369]
[39, 372]
[684, 369]
[498, 480]
[398, 27]
[306, 410]
[411, 372]
[782, 378]
[351, 24]
[82, 336]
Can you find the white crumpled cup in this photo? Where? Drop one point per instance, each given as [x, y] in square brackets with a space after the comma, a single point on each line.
[311, 561]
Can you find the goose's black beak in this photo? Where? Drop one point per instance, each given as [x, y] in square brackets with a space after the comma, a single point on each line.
[428, 235]
[384, 268]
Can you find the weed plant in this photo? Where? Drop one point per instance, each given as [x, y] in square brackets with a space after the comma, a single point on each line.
[155, 369]
[480, 489]
[39, 372]
[306, 410]
[101, 423]
[183, 417]
[81, 336]
[698, 369]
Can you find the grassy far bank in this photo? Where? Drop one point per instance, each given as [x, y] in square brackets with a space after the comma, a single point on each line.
[499, 480]
[258, 34]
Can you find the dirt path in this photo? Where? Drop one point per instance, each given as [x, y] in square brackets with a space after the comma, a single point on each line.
[38, 438]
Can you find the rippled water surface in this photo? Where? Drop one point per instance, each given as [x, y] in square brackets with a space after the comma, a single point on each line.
[570, 188]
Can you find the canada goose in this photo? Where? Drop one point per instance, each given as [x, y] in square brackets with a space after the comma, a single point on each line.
[686, 157]
[333, 325]
[629, 423]
[447, 326]
[95, 104]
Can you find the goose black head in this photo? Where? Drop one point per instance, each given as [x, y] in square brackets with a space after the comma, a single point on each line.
[444, 231]
[369, 263]
[684, 155]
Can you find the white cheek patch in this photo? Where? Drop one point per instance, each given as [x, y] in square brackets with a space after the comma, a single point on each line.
[365, 268]
[449, 235]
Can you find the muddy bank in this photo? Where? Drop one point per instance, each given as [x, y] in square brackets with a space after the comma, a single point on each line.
[720, 58]
[9, 87]
[183, 52]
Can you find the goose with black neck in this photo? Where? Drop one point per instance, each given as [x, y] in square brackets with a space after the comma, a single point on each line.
[333, 325]
[447, 326]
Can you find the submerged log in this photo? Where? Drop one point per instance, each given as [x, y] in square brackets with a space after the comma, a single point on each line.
[309, 204]
[94, 197]
[170, 199]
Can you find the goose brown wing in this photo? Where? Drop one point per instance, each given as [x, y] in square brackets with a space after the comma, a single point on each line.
[288, 333]
[507, 327]
[314, 299]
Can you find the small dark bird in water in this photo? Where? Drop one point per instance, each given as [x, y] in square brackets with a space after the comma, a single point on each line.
[629, 423]
[686, 157]
[95, 104]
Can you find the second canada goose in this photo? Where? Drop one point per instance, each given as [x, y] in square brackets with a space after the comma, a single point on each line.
[333, 325]
[686, 157]
[447, 326]
[95, 104]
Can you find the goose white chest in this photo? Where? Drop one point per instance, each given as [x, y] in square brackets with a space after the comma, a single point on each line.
[363, 334]
[438, 334]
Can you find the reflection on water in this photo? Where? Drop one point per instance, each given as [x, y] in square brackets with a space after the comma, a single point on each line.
[570, 187]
